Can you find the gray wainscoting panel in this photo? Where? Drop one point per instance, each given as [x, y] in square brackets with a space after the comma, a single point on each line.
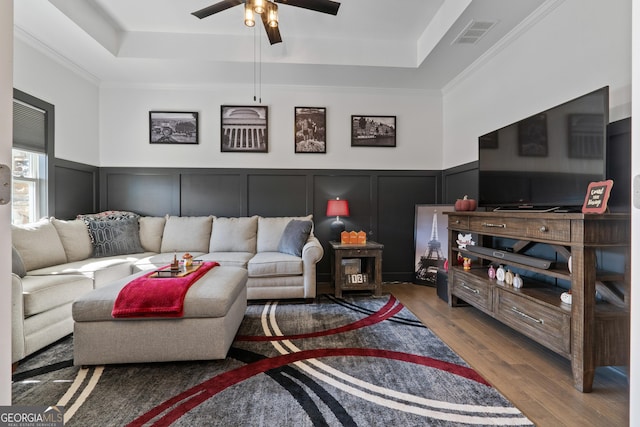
[150, 194]
[212, 194]
[277, 195]
[460, 181]
[75, 189]
[396, 203]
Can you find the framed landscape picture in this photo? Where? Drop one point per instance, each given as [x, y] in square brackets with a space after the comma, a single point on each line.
[310, 134]
[172, 127]
[244, 129]
[373, 131]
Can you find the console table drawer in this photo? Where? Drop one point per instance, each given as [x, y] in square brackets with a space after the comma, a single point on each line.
[534, 228]
[548, 229]
[459, 222]
[471, 289]
[549, 327]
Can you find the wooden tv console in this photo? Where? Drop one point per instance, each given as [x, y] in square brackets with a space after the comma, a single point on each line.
[588, 332]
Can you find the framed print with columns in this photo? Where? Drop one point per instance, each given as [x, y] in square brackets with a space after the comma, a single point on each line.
[244, 129]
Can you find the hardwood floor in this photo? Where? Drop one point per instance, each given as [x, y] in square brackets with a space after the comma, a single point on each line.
[533, 378]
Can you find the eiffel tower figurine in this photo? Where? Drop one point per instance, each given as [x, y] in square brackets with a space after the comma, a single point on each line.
[427, 267]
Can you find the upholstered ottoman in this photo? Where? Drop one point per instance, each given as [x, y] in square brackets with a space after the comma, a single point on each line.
[213, 309]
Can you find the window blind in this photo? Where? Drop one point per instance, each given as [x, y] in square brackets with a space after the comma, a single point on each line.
[29, 128]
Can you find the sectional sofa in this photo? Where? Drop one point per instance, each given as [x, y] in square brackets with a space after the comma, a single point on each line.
[56, 261]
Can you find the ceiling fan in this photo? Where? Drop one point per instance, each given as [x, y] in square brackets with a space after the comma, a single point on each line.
[268, 11]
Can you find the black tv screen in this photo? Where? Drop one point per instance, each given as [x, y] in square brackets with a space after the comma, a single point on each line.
[547, 160]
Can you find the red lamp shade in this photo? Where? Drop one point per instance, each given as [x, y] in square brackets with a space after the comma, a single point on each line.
[337, 207]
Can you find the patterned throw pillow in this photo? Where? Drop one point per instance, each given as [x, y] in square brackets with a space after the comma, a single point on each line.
[115, 237]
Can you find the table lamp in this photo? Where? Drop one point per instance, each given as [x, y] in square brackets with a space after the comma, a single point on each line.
[337, 208]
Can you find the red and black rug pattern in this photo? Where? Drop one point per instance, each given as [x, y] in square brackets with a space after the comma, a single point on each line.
[358, 361]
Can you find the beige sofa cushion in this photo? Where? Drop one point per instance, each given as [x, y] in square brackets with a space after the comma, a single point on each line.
[270, 231]
[234, 234]
[273, 264]
[75, 239]
[42, 293]
[186, 234]
[151, 229]
[38, 244]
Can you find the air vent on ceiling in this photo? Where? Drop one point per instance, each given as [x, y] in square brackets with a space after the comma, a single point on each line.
[473, 32]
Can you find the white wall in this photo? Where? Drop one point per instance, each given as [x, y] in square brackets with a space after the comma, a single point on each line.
[579, 47]
[124, 127]
[73, 93]
[6, 126]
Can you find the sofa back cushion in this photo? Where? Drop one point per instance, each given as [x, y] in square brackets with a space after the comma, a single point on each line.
[186, 234]
[38, 244]
[75, 239]
[151, 229]
[270, 231]
[234, 234]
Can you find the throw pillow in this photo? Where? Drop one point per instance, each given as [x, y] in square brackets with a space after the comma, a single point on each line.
[17, 266]
[115, 237]
[294, 237]
[270, 231]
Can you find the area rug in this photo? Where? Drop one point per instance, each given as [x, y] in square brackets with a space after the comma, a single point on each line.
[358, 361]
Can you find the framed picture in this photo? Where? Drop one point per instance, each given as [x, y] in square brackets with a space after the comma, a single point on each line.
[373, 131]
[244, 129]
[431, 242]
[172, 127]
[532, 136]
[310, 134]
[586, 136]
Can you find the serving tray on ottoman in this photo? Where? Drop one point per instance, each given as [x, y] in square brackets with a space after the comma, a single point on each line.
[214, 306]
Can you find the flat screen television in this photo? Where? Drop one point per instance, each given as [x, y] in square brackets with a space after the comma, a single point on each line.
[546, 161]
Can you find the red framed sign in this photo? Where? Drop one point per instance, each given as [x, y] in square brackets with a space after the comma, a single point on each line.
[595, 201]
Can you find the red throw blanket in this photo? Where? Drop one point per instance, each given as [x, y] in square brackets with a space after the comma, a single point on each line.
[156, 297]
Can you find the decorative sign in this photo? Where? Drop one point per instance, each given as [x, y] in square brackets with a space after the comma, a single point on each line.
[597, 197]
[357, 279]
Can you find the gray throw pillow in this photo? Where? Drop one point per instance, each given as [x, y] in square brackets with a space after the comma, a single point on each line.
[294, 237]
[17, 266]
[115, 237]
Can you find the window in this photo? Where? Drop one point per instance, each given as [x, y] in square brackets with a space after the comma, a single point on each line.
[31, 155]
[28, 193]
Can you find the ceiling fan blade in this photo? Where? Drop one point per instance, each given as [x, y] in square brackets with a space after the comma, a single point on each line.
[215, 8]
[272, 32]
[324, 6]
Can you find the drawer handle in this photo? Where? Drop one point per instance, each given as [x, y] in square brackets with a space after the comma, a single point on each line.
[526, 316]
[475, 291]
[544, 229]
[488, 224]
[457, 221]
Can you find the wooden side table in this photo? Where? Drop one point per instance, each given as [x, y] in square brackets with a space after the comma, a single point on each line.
[370, 255]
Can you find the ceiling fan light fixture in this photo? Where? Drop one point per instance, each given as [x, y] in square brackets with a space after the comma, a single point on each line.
[249, 19]
[272, 14]
[259, 6]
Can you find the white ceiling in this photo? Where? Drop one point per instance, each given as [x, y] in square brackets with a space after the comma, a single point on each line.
[370, 43]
